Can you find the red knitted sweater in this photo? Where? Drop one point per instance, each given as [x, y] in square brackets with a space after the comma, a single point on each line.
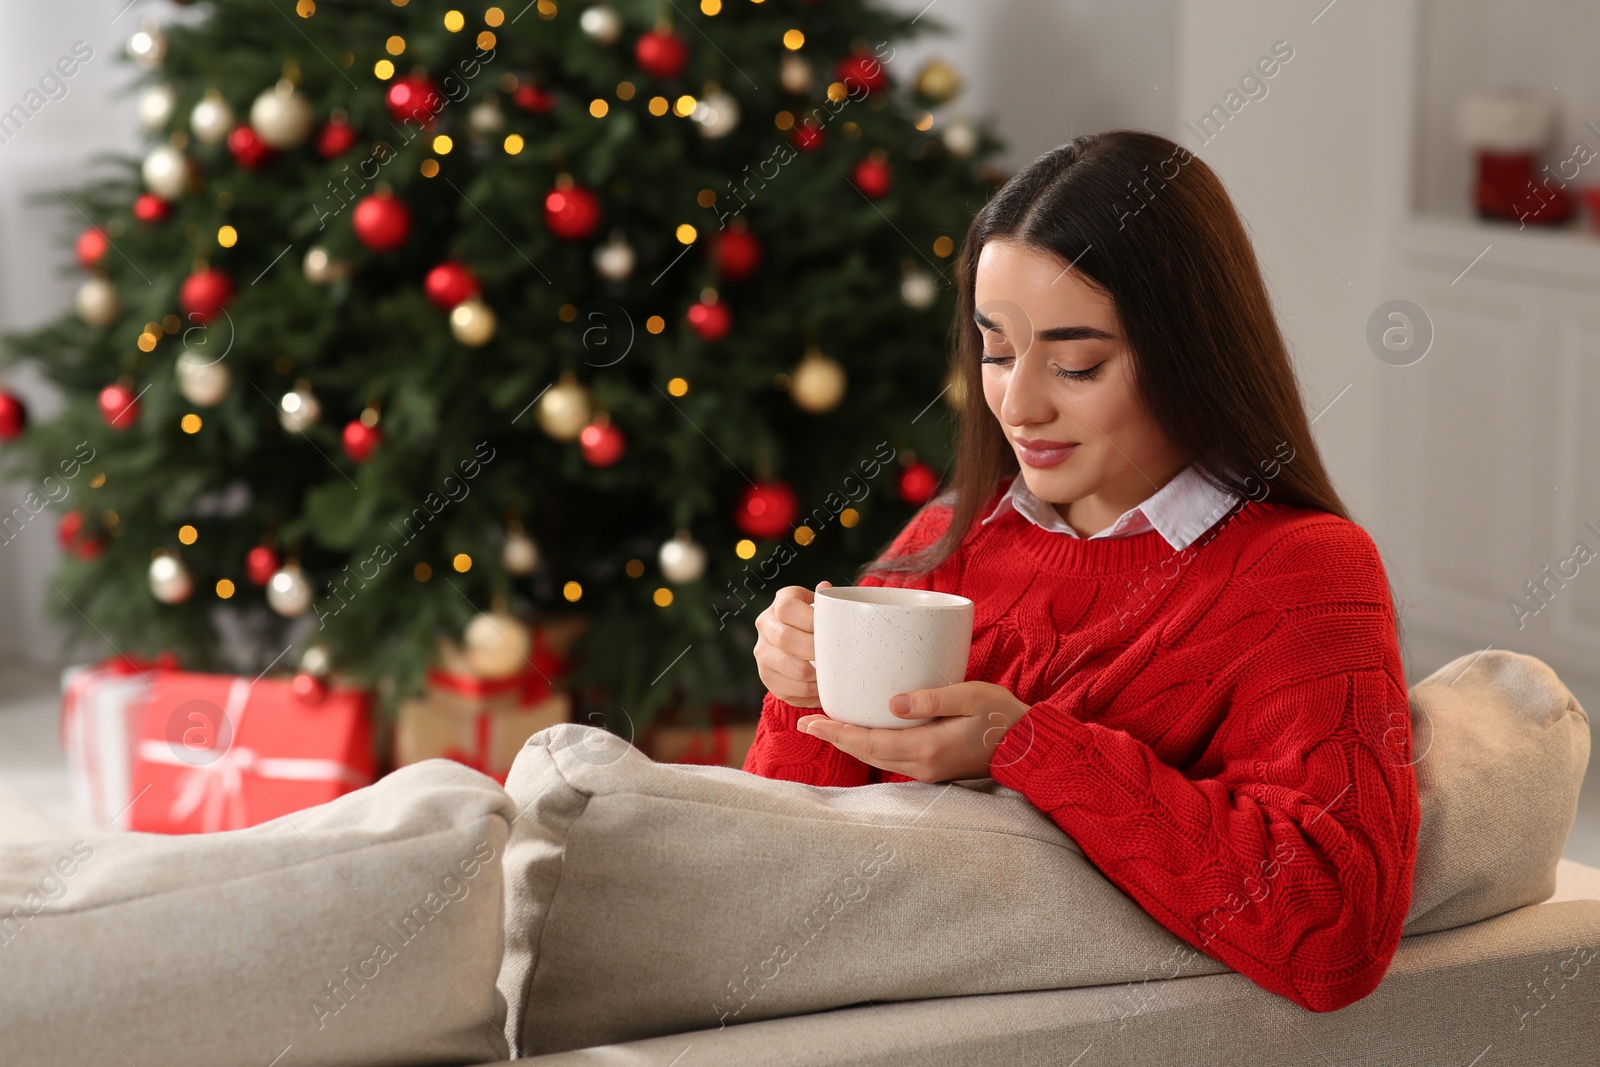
[1223, 730]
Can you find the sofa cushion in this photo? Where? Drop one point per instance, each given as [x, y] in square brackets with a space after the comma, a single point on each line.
[364, 930]
[647, 899]
[1500, 747]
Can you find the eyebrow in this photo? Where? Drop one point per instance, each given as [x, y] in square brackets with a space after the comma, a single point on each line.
[1054, 333]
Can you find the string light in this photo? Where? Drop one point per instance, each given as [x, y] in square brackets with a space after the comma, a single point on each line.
[655, 324]
[745, 548]
[224, 588]
[395, 45]
[686, 234]
[461, 562]
[383, 70]
[572, 591]
[513, 144]
[190, 423]
[662, 597]
[188, 534]
[227, 237]
[454, 20]
[678, 386]
[793, 40]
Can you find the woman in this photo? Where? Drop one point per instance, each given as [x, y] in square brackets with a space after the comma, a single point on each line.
[1184, 652]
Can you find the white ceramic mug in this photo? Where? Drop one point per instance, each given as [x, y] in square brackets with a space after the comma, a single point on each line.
[873, 642]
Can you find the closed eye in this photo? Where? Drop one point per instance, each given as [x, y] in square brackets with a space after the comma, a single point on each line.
[1061, 372]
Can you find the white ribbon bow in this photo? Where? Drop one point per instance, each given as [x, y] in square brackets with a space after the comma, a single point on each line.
[219, 784]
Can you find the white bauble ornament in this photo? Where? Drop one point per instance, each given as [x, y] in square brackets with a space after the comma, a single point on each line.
[496, 645]
[299, 409]
[288, 592]
[717, 114]
[472, 322]
[614, 259]
[795, 73]
[918, 289]
[97, 302]
[280, 116]
[148, 47]
[202, 380]
[166, 172]
[520, 555]
[817, 384]
[317, 661]
[486, 118]
[156, 105]
[564, 409]
[961, 139]
[211, 119]
[170, 581]
[601, 23]
[321, 268]
[682, 559]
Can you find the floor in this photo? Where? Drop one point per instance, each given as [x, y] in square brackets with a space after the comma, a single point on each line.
[32, 766]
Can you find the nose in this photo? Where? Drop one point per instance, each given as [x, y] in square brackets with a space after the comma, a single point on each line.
[1027, 400]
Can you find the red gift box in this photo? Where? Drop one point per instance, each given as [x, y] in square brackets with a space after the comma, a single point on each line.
[220, 752]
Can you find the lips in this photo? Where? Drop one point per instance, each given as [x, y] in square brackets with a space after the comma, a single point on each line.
[1045, 456]
[1039, 444]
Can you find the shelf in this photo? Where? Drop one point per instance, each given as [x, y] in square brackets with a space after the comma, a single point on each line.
[1568, 258]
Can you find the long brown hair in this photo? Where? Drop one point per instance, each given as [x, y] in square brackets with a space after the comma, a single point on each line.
[1150, 225]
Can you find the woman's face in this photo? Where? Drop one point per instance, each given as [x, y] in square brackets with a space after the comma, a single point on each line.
[1057, 371]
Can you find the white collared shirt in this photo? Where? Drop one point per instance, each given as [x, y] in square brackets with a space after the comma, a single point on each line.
[1180, 511]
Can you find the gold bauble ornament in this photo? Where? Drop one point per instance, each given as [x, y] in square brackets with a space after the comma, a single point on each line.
[97, 302]
[520, 554]
[961, 139]
[564, 409]
[280, 116]
[682, 559]
[166, 172]
[288, 592]
[299, 409]
[937, 82]
[795, 73]
[155, 106]
[472, 322]
[321, 268]
[496, 644]
[202, 380]
[211, 118]
[170, 581]
[817, 383]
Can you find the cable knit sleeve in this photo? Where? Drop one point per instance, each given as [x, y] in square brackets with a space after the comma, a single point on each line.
[779, 749]
[1285, 847]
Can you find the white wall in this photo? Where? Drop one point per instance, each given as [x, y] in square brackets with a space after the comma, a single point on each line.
[53, 147]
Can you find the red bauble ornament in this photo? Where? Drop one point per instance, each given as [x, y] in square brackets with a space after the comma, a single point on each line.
[766, 510]
[414, 97]
[151, 208]
[807, 136]
[13, 416]
[602, 443]
[204, 293]
[360, 439]
[260, 564]
[917, 483]
[661, 53]
[711, 321]
[91, 247]
[572, 213]
[530, 97]
[119, 406]
[863, 68]
[70, 535]
[737, 254]
[382, 222]
[449, 284]
[873, 177]
[335, 138]
[249, 149]
[309, 688]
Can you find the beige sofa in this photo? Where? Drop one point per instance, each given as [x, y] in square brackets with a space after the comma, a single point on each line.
[604, 909]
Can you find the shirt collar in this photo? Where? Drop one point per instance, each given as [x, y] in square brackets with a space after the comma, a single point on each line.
[1182, 510]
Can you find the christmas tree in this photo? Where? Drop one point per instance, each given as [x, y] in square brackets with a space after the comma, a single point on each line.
[418, 322]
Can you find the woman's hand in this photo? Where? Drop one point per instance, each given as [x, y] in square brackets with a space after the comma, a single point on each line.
[785, 646]
[969, 720]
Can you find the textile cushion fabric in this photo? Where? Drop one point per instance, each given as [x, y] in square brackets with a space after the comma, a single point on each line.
[646, 899]
[1500, 747]
[362, 931]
